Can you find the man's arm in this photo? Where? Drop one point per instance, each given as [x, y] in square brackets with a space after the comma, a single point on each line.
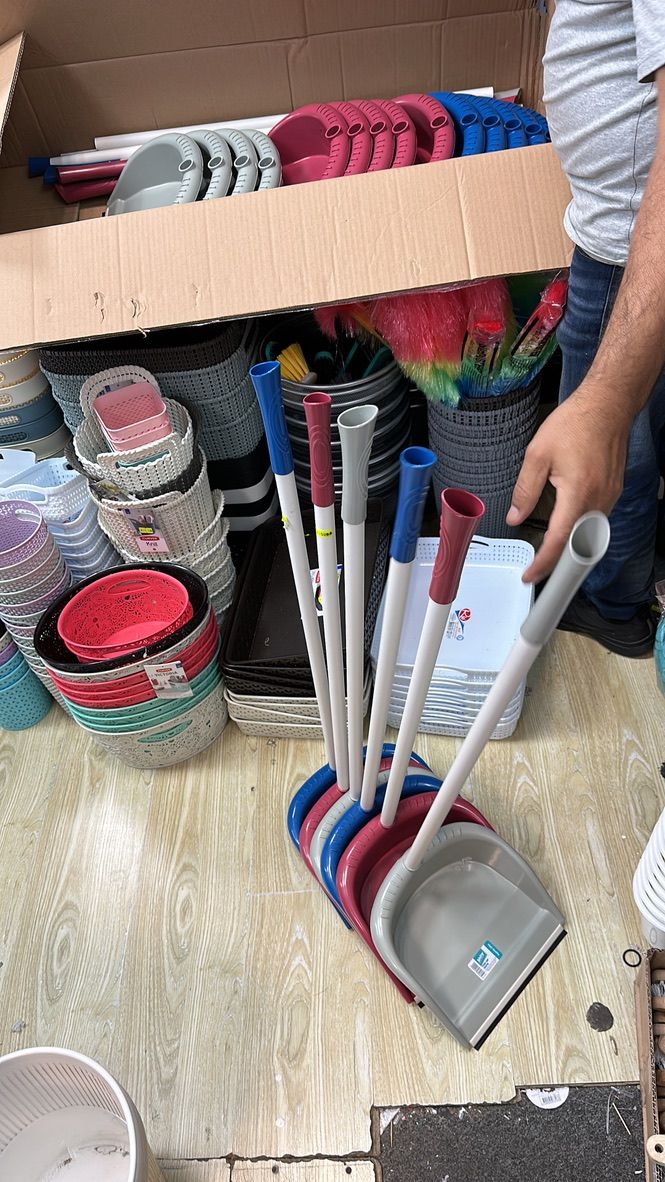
[581, 446]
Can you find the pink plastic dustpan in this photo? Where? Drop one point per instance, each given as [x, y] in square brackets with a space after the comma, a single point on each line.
[374, 851]
[434, 127]
[383, 140]
[404, 131]
[313, 143]
[361, 139]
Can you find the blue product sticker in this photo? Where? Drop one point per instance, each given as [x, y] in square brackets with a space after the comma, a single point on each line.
[485, 959]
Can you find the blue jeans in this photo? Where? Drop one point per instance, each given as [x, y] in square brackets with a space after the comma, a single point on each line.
[623, 581]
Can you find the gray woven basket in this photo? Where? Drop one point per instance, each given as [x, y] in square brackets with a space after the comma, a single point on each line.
[480, 445]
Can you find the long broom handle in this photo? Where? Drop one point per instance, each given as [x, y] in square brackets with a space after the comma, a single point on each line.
[416, 465]
[586, 546]
[267, 384]
[317, 407]
[356, 431]
[460, 513]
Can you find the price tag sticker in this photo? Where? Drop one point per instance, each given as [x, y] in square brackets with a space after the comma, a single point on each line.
[148, 533]
[315, 576]
[169, 680]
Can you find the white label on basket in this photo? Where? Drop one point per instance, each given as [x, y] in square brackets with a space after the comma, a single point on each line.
[316, 587]
[484, 960]
[169, 680]
[148, 532]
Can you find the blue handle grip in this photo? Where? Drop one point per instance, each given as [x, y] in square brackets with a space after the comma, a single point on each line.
[267, 381]
[495, 132]
[415, 473]
[469, 131]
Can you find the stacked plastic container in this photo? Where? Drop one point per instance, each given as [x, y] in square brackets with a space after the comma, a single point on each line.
[135, 654]
[63, 498]
[649, 886]
[150, 484]
[29, 415]
[23, 699]
[32, 574]
[484, 621]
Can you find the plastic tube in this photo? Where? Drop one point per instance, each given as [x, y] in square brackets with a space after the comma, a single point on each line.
[263, 123]
[469, 131]
[460, 513]
[267, 384]
[317, 413]
[356, 431]
[416, 465]
[586, 546]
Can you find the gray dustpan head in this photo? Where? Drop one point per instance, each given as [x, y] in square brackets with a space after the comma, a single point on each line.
[466, 930]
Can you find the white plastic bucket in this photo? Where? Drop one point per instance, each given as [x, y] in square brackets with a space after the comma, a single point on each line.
[62, 1116]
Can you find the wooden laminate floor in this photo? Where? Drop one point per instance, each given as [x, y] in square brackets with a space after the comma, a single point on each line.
[163, 924]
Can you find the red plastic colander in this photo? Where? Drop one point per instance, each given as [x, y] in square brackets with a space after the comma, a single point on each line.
[121, 613]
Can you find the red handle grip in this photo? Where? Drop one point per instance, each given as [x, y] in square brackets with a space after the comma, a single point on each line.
[317, 413]
[460, 513]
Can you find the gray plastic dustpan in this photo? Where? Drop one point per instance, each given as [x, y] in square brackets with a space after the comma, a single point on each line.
[460, 918]
[467, 930]
[165, 171]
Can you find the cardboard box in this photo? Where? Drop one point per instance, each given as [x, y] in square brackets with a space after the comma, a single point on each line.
[82, 71]
[652, 959]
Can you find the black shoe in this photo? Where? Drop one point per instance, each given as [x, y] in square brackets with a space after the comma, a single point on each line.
[628, 638]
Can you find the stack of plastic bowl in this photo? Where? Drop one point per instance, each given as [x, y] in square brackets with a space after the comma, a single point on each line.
[491, 604]
[649, 886]
[23, 699]
[135, 654]
[32, 574]
[29, 415]
[63, 498]
[353, 374]
[154, 501]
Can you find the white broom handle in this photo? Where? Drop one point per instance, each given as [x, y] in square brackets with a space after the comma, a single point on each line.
[434, 626]
[354, 584]
[397, 590]
[263, 123]
[326, 546]
[295, 540]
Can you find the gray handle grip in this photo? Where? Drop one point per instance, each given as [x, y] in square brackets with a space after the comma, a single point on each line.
[588, 541]
[356, 432]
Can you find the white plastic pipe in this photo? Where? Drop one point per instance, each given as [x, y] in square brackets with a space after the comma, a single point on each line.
[91, 156]
[264, 123]
[295, 540]
[354, 583]
[397, 590]
[434, 626]
[326, 548]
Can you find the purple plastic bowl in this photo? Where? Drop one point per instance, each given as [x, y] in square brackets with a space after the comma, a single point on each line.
[7, 653]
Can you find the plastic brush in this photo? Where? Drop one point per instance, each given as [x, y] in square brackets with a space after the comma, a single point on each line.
[425, 331]
[536, 340]
[479, 357]
[294, 365]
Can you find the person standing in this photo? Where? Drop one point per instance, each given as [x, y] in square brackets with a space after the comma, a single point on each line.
[602, 448]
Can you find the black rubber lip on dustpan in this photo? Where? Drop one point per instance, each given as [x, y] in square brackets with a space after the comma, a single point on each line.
[490, 926]
[264, 633]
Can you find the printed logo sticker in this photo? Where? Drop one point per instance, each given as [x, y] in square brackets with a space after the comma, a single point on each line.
[485, 959]
[457, 623]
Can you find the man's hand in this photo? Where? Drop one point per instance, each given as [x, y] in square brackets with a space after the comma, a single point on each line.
[581, 450]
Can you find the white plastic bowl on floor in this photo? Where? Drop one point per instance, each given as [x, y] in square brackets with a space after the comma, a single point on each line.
[63, 1116]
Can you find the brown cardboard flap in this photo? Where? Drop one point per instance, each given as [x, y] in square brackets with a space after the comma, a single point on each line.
[287, 248]
[10, 60]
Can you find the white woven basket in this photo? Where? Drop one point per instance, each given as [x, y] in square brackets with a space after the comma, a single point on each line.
[179, 517]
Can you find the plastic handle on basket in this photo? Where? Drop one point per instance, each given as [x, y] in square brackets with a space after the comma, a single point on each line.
[460, 513]
[267, 382]
[415, 473]
[171, 733]
[586, 545]
[317, 413]
[356, 432]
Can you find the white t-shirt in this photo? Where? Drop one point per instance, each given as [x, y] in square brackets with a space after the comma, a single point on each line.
[600, 96]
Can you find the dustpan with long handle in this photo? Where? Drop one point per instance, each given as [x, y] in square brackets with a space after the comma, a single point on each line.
[266, 379]
[461, 919]
[317, 414]
[460, 513]
[416, 465]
